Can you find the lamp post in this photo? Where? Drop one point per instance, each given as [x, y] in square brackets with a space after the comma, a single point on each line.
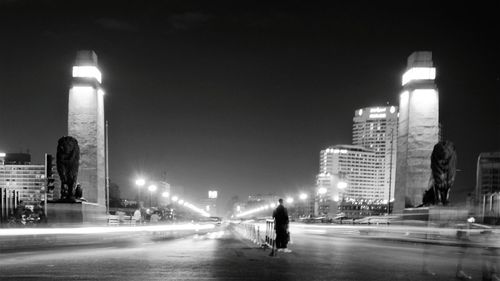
[140, 182]
[342, 185]
[151, 188]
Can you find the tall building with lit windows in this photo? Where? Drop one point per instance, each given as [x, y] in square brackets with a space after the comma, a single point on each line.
[86, 125]
[350, 172]
[17, 174]
[376, 128]
[418, 130]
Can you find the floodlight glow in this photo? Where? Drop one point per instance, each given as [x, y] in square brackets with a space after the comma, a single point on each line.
[212, 194]
[336, 198]
[2, 154]
[238, 208]
[424, 98]
[165, 194]
[87, 72]
[303, 196]
[419, 73]
[360, 112]
[207, 208]
[152, 188]
[181, 201]
[273, 205]
[342, 184]
[175, 198]
[82, 89]
[289, 200]
[322, 190]
[404, 98]
[140, 182]
[392, 110]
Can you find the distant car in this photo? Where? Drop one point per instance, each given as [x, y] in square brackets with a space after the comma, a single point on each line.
[217, 220]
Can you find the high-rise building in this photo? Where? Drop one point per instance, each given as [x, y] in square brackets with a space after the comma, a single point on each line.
[376, 128]
[350, 172]
[86, 125]
[418, 130]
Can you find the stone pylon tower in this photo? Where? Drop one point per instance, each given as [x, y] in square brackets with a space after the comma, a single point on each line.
[418, 130]
[86, 124]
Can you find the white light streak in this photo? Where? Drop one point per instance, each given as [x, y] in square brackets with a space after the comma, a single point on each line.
[97, 230]
[87, 72]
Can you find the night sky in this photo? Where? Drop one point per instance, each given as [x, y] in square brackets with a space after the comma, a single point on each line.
[242, 95]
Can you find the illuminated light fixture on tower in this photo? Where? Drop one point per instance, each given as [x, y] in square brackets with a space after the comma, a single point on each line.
[87, 72]
[212, 194]
[419, 73]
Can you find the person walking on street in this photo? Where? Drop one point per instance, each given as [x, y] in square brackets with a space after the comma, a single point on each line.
[280, 216]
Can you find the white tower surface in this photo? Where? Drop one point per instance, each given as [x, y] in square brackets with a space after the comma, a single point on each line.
[418, 130]
[86, 125]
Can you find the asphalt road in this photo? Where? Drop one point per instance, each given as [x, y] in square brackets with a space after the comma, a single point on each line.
[222, 255]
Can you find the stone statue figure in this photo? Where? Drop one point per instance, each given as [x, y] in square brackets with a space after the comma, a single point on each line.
[443, 166]
[67, 160]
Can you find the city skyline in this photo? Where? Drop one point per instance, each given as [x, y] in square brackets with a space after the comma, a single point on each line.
[215, 109]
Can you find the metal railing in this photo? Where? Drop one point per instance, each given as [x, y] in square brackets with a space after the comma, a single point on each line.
[115, 220]
[252, 231]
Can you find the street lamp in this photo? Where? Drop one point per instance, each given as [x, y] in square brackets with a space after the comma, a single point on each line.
[140, 182]
[151, 188]
[289, 200]
[322, 190]
[165, 194]
[303, 196]
[175, 198]
[341, 185]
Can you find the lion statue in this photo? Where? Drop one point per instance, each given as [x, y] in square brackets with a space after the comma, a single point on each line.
[443, 166]
[67, 160]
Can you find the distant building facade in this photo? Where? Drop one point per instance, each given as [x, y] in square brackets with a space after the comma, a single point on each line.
[355, 166]
[18, 174]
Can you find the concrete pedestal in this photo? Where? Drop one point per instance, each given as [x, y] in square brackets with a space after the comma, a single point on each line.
[82, 213]
[437, 215]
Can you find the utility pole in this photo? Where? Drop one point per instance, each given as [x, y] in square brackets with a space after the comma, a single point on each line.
[390, 173]
[107, 170]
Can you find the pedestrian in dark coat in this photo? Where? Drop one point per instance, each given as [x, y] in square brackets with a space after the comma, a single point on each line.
[280, 216]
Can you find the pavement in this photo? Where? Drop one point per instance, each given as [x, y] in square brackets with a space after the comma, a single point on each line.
[224, 255]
